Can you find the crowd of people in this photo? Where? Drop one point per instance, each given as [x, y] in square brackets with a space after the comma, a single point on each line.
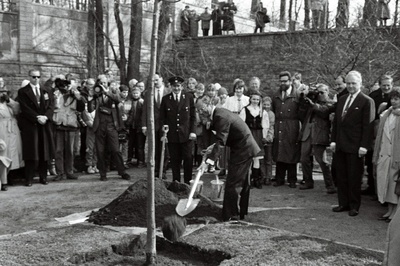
[47, 126]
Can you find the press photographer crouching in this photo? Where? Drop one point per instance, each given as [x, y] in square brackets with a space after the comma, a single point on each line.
[315, 134]
[68, 103]
[106, 125]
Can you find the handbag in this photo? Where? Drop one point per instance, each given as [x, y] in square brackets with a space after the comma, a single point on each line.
[123, 136]
[397, 188]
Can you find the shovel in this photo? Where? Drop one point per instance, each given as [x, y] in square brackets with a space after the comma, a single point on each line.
[186, 206]
[165, 130]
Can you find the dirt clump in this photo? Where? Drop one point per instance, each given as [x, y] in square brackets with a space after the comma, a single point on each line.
[129, 209]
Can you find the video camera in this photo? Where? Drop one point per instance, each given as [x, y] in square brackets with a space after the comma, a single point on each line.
[312, 95]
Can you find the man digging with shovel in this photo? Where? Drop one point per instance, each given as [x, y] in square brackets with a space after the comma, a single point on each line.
[233, 132]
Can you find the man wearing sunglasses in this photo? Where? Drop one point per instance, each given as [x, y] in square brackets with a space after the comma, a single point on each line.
[37, 107]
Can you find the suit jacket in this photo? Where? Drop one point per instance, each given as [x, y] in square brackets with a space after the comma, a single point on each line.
[135, 116]
[157, 123]
[30, 128]
[355, 129]
[233, 132]
[180, 117]
[112, 103]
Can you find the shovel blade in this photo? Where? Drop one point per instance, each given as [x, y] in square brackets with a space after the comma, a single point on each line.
[182, 210]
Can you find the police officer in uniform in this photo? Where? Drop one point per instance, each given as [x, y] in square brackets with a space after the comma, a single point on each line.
[177, 111]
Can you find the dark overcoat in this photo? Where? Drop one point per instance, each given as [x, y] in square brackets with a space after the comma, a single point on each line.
[32, 133]
[286, 146]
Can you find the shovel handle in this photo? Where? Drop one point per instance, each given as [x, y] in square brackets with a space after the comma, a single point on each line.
[195, 183]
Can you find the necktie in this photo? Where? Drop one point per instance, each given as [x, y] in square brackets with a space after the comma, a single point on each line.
[283, 95]
[177, 98]
[158, 97]
[347, 106]
[37, 92]
[239, 105]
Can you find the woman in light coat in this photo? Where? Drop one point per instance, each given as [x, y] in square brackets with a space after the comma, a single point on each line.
[386, 156]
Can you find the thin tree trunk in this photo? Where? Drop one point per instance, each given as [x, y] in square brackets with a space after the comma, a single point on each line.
[282, 15]
[307, 14]
[151, 223]
[162, 32]
[396, 13]
[99, 37]
[135, 40]
[121, 62]
[91, 42]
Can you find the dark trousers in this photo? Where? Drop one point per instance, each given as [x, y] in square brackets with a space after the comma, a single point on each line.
[237, 183]
[370, 170]
[106, 134]
[30, 168]
[205, 32]
[181, 152]
[349, 170]
[136, 141]
[282, 168]
[158, 150]
[267, 167]
[64, 151]
[307, 151]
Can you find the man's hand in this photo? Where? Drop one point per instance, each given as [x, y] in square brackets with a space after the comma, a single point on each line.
[333, 147]
[192, 136]
[42, 119]
[144, 131]
[361, 152]
[124, 117]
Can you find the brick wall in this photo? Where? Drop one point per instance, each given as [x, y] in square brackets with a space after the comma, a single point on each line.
[319, 55]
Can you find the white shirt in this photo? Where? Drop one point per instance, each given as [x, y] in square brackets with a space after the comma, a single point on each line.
[177, 97]
[35, 91]
[354, 95]
[288, 92]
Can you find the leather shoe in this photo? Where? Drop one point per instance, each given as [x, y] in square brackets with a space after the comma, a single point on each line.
[44, 181]
[388, 220]
[126, 176]
[368, 191]
[103, 178]
[4, 188]
[340, 209]
[353, 212]
[72, 176]
[278, 184]
[305, 186]
[292, 185]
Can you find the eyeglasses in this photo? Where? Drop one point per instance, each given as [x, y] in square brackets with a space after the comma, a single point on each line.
[283, 81]
[35, 77]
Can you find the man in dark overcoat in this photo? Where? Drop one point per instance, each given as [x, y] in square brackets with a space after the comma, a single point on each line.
[37, 107]
[233, 132]
[286, 146]
[177, 111]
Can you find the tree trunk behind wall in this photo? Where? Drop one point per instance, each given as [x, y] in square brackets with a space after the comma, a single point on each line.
[121, 61]
[91, 40]
[282, 15]
[163, 25]
[99, 37]
[369, 13]
[307, 14]
[135, 40]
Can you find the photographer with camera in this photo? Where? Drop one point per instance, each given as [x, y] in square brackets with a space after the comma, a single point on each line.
[315, 135]
[68, 101]
[106, 124]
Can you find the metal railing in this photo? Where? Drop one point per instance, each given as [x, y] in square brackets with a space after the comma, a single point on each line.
[69, 4]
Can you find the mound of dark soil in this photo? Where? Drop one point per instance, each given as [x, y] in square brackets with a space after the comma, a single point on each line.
[129, 209]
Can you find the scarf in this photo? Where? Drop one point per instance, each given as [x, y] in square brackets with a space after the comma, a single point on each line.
[396, 138]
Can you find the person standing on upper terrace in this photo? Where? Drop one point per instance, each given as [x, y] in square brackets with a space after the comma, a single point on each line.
[216, 17]
[205, 21]
[185, 26]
